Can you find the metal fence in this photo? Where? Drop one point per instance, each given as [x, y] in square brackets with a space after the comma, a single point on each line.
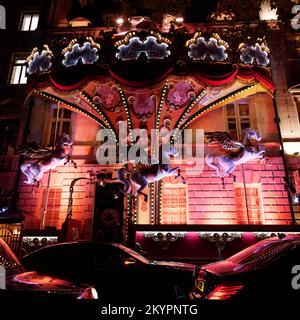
[11, 234]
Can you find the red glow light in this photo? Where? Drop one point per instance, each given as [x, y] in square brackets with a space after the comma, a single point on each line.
[225, 291]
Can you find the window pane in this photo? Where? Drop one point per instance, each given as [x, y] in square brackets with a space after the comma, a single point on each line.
[66, 127]
[16, 75]
[51, 138]
[244, 110]
[20, 61]
[23, 79]
[245, 124]
[60, 114]
[67, 114]
[231, 126]
[34, 22]
[26, 22]
[230, 110]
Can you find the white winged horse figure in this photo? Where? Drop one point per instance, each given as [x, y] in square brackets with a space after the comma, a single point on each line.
[232, 153]
[45, 159]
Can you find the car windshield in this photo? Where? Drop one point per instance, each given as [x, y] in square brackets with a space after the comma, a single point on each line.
[8, 260]
[260, 251]
[133, 253]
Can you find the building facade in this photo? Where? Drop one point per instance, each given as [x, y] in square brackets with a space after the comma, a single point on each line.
[213, 76]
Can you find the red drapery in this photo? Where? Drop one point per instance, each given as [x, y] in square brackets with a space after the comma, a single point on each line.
[211, 75]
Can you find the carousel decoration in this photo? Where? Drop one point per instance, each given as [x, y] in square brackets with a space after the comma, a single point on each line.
[87, 53]
[220, 239]
[255, 54]
[45, 159]
[142, 105]
[201, 49]
[107, 98]
[232, 152]
[165, 238]
[39, 62]
[149, 173]
[179, 94]
[154, 46]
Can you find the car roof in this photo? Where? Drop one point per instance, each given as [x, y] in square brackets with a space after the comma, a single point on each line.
[73, 243]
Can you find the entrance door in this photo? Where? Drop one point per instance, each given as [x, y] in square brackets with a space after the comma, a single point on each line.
[108, 215]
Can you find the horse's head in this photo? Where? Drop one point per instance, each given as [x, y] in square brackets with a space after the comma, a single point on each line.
[66, 140]
[252, 135]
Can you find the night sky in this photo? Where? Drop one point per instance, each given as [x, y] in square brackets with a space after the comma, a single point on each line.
[198, 11]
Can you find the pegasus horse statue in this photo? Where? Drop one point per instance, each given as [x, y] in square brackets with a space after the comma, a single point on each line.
[135, 181]
[45, 159]
[232, 153]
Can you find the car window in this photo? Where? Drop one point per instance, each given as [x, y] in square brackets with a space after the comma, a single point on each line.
[132, 253]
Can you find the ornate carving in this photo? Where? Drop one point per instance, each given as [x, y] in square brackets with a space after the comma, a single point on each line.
[142, 105]
[220, 239]
[39, 241]
[179, 95]
[153, 47]
[165, 238]
[201, 49]
[264, 235]
[107, 97]
[257, 53]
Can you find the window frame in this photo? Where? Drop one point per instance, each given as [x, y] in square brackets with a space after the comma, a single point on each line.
[50, 120]
[32, 13]
[17, 57]
[238, 117]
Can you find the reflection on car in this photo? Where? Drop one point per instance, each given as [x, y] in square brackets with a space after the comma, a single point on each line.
[119, 273]
[16, 282]
[260, 272]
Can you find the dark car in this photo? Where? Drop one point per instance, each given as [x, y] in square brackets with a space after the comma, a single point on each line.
[16, 282]
[116, 271]
[263, 271]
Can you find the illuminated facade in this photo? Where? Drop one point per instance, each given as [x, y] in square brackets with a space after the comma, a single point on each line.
[82, 79]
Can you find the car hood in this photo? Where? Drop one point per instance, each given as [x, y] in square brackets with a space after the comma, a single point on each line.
[222, 268]
[176, 265]
[40, 281]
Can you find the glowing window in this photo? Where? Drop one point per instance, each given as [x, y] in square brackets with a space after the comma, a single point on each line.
[52, 216]
[29, 21]
[174, 205]
[249, 207]
[18, 75]
[238, 118]
[60, 123]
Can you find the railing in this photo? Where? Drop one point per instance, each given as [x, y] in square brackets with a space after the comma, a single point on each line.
[9, 163]
[11, 234]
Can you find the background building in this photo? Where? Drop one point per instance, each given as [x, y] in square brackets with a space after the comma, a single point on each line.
[223, 92]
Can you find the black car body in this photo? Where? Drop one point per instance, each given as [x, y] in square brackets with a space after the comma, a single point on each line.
[119, 273]
[25, 284]
[261, 272]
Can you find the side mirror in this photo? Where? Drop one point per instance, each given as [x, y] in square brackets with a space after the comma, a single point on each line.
[2, 278]
[129, 261]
